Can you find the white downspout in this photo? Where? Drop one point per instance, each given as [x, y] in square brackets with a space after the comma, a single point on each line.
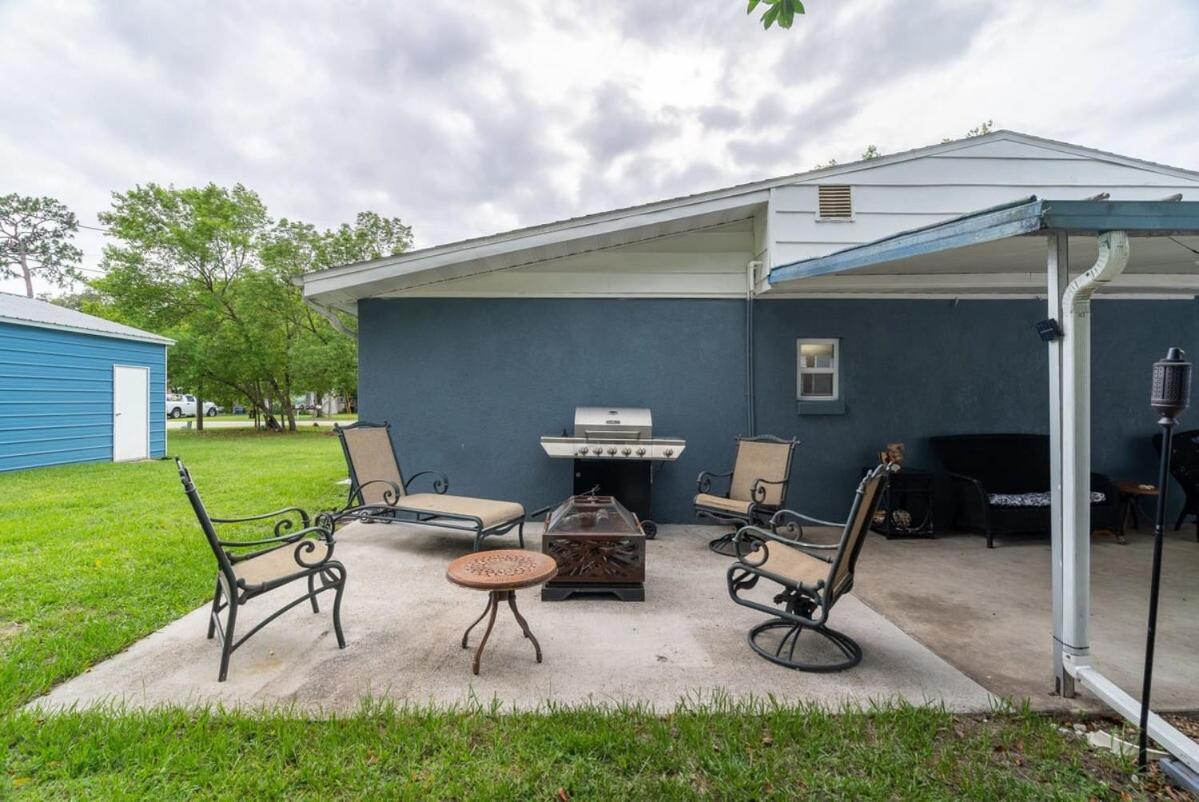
[1076, 446]
[751, 285]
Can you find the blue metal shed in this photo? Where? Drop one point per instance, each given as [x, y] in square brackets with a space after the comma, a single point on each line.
[77, 388]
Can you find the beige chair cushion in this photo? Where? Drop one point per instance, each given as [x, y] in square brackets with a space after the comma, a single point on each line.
[491, 513]
[374, 458]
[722, 504]
[278, 563]
[793, 564]
[760, 460]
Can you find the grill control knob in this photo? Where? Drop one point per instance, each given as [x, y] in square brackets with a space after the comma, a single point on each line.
[669, 452]
[612, 451]
[626, 451]
[582, 451]
[641, 452]
[597, 450]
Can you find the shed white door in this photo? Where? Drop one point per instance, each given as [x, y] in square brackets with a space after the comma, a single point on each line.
[130, 413]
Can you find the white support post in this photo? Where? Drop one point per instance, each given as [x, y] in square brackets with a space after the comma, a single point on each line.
[1075, 590]
[1058, 276]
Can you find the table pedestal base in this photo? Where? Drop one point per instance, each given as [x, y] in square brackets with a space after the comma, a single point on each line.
[493, 605]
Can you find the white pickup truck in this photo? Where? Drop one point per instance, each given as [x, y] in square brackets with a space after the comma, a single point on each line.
[179, 406]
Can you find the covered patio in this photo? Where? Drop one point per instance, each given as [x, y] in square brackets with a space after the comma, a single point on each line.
[1068, 252]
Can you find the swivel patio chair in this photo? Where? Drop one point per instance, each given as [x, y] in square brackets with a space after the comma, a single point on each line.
[810, 582]
[757, 487]
[379, 492]
[1184, 467]
[291, 554]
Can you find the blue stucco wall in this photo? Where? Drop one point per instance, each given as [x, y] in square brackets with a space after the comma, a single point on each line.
[56, 395]
[470, 385]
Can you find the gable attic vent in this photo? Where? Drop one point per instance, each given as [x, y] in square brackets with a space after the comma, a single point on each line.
[836, 202]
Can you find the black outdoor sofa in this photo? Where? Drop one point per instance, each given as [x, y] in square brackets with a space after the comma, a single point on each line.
[1001, 484]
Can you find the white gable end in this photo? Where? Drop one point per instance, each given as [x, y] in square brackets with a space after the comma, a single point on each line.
[899, 195]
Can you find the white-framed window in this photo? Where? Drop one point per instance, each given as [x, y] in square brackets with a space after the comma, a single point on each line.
[819, 372]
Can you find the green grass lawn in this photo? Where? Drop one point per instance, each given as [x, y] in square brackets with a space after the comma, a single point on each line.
[94, 557]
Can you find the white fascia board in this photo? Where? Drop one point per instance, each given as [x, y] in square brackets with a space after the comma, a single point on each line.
[966, 283]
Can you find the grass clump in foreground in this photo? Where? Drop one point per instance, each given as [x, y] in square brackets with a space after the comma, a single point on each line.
[94, 557]
[725, 750]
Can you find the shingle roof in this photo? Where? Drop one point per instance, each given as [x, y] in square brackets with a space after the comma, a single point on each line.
[20, 310]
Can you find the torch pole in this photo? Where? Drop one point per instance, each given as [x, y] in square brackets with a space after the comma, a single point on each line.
[1163, 476]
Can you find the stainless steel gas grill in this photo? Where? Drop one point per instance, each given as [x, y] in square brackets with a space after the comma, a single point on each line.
[614, 450]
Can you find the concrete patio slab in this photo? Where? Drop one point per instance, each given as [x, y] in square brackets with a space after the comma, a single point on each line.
[403, 621]
[988, 611]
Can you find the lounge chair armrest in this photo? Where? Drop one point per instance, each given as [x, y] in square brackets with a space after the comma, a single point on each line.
[301, 544]
[751, 539]
[391, 494]
[287, 519]
[703, 483]
[784, 517]
[758, 488]
[441, 482]
[323, 532]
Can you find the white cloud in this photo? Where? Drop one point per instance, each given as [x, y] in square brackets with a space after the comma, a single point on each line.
[469, 119]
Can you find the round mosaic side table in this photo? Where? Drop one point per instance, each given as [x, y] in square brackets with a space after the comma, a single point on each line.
[500, 573]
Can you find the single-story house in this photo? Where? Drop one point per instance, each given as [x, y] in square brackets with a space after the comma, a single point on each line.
[77, 388]
[695, 308]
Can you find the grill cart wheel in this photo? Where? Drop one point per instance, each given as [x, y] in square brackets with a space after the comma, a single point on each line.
[650, 529]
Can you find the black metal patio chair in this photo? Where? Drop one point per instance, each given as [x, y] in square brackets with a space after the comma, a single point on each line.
[810, 582]
[1184, 467]
[379, 493]
[757, 487]
[291, 554]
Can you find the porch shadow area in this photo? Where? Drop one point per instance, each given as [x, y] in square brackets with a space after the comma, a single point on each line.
[987, 611]
[403, 621]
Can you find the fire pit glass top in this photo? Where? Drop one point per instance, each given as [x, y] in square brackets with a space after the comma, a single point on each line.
[588, 514]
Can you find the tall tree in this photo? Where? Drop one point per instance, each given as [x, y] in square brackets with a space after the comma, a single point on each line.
[177, 265]
[35, 240]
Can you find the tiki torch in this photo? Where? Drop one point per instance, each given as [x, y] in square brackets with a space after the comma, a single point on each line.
[1171, 395]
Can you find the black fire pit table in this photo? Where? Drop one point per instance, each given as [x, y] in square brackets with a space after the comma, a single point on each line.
[599, 547]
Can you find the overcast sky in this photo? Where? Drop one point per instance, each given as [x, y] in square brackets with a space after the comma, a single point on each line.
[471, 118]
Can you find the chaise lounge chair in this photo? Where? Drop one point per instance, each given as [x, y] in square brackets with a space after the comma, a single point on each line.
[379, 492]
[757, 487]
[292, 554]
[811, 583]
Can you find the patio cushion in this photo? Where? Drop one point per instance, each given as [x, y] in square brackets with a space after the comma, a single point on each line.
[791, 563]
[491, 513]
[277, 563]
[723, 504]
[760, 460]
[1032, 499]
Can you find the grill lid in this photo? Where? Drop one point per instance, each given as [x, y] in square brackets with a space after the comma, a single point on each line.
[613, 423]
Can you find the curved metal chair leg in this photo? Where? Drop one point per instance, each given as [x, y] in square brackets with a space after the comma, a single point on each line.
[520, 534]
[216, 608]
[227, 642]
[846, 645]
[341, 586]
[312, 593]
[494, 606]
[524, 625]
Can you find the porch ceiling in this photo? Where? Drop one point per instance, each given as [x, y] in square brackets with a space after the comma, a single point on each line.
[1002, 250]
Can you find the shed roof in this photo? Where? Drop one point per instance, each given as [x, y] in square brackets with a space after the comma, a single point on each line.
[24, 311]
